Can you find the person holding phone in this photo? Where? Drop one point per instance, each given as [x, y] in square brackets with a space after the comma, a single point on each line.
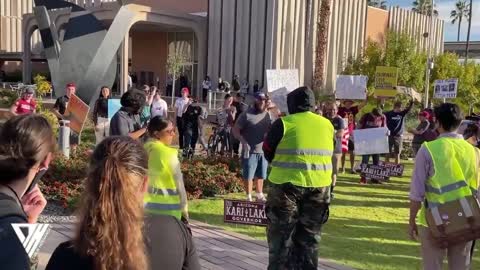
[26, 146]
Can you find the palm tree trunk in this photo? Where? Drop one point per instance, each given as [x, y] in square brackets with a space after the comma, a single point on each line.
[468, 32]
[459, 28]
[321, 48]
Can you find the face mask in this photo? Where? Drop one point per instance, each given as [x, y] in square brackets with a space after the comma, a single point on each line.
[35, 180]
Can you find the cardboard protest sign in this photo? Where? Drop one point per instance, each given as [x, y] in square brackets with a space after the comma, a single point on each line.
[77, 113]
[113, 107]
[446, 88]
[243, 212]
[280, 82]
[382, 171]
[386, 80]
[410, 92]
[371, 141]
[351, 87]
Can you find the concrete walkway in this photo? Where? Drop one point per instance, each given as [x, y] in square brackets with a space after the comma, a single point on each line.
[218, 249]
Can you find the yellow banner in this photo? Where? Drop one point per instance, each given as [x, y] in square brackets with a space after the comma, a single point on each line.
[386, 80]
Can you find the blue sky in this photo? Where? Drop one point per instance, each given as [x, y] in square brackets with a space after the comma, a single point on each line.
[444, 8]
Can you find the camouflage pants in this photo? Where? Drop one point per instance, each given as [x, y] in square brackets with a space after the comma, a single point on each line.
[295, 218]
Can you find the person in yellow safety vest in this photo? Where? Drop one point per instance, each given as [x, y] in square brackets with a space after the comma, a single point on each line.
[299, 147]
[166, 191]
[446, 169]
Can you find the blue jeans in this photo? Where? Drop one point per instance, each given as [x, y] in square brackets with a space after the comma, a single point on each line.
[254, 166]
[375, 157]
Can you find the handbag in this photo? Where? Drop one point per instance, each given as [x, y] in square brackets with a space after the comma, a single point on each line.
[456, 221]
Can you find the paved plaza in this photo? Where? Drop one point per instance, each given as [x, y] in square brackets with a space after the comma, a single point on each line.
[218, 249]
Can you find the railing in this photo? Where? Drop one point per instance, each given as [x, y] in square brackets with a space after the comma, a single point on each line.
[90, 3]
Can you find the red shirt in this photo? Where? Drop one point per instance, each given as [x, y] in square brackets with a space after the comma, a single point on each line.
[350, 115]
[25, 107]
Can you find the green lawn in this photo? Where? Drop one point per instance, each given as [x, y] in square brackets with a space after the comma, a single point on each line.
[367, 227]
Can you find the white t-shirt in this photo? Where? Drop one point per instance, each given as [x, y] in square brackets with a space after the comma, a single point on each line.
[159, 108]
[180, 105]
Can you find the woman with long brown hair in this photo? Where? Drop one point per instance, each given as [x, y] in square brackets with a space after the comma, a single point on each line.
[112, 227]
[26, 146]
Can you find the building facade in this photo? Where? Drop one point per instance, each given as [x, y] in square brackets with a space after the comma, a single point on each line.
[460, 48]
[248, 37]
[222, 38]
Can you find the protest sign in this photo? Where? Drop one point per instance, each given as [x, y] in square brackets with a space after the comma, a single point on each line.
[446, 88]
[386, 79]
[280, 82]
[113, 107]
[410, 92]
[77, 113]
[351, 87]
[243, 212]
[371, 141]
[383, 171]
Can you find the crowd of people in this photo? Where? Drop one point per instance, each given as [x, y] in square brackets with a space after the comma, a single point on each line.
[134, 210]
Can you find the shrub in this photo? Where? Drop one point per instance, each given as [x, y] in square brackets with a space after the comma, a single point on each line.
[211, 176]
[63, 182]
[7, 97]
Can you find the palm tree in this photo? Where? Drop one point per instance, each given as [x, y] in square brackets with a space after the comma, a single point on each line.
[322, 41]
[461, 11]
[424, 7]
[378, 4]
[470, 7]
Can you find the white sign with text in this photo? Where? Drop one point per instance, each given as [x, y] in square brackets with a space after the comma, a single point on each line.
[351, 87]
[371, 141]
[446, 88]
[280, 82]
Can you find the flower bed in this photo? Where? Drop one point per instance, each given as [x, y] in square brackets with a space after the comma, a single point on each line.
[211, 176]
[63, 182]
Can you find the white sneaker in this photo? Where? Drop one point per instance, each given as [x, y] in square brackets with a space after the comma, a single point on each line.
[249, 198]
[261, 198]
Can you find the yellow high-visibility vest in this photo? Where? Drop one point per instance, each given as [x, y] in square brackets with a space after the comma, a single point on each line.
[456, 172]
[304, 155]
[163, 196]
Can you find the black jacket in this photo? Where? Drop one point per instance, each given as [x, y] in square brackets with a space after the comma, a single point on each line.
[300, 100]
[13, 255]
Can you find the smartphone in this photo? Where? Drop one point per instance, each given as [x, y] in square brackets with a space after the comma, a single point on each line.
[37, 178]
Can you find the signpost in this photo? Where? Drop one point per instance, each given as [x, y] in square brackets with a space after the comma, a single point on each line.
[386, 80]
[446, 88]
[243, 212]
[351, 87]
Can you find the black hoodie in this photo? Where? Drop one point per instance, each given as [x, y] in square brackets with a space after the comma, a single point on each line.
[13, 254]
[300, 100]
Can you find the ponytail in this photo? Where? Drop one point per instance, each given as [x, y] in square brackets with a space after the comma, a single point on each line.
[111, 228]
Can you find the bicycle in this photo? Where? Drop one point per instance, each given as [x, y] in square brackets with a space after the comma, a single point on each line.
[216, 142]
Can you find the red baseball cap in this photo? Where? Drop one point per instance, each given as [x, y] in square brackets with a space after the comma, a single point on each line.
[185, 90]
[424, 114]
[71, 85]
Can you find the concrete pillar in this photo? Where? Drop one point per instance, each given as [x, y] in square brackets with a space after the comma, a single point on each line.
[201, 36]
[124, 49]
[27, 55]
[228, 32]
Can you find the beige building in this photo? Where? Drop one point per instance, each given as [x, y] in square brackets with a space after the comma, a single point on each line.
[248, 37]
[222, 38]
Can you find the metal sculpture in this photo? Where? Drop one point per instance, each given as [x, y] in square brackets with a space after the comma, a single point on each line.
[87, 55]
